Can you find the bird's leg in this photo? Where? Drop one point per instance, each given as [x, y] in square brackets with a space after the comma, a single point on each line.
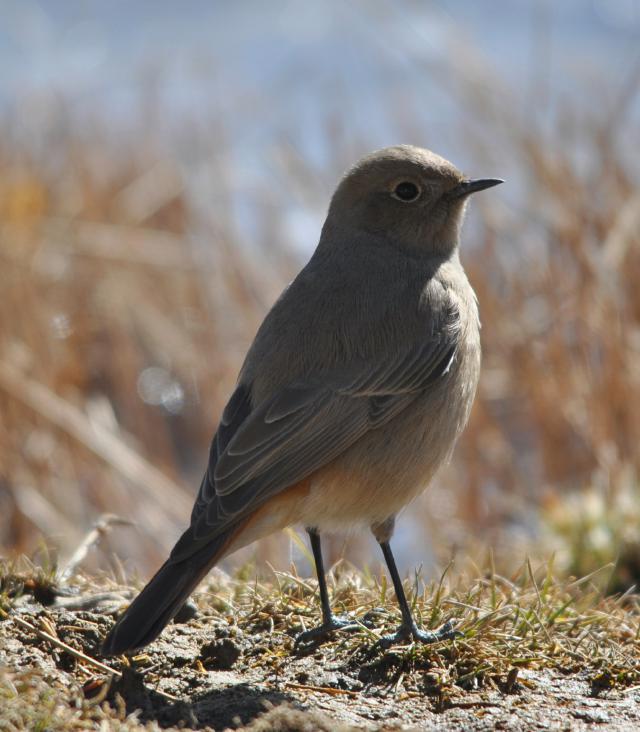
[329, 621]
[408, 628]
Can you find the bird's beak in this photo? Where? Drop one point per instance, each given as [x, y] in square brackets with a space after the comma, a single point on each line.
[473, 186]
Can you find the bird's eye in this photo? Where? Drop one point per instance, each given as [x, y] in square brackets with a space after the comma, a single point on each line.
[406, 191]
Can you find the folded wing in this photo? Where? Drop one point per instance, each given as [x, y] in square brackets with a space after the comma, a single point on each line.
[263, 449]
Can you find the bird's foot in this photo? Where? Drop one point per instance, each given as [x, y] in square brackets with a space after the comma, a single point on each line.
[412, 632]
[314, 636]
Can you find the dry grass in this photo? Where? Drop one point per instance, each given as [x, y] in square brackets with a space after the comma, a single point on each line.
[130, 292]
[91, 300]
[513, 628]
[119, 286]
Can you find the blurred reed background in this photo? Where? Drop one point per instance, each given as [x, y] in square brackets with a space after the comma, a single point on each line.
[164, 171]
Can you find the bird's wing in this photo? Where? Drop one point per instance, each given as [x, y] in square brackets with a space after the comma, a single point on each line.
[260, 451]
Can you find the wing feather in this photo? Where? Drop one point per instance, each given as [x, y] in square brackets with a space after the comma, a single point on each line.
[260, 450]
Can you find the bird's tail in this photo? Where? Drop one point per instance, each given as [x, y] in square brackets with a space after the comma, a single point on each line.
[162, 597]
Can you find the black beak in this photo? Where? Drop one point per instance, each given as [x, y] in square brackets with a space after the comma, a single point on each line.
[473, 186]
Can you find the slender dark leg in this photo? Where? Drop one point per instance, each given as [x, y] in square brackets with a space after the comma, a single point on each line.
[408, 628]
[316, 548]
[329, 621]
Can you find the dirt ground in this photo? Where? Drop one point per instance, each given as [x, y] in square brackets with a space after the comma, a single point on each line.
[220, 671]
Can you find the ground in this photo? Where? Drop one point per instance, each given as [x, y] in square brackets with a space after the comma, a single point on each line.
[535, 653]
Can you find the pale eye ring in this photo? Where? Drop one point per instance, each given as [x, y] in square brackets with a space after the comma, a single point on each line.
[406, 191]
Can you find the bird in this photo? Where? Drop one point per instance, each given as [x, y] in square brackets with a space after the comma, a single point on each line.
[353, 393]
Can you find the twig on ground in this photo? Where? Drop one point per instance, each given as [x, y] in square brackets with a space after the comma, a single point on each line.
[100, 529]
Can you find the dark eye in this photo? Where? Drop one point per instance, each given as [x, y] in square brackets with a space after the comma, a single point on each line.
[406, 191]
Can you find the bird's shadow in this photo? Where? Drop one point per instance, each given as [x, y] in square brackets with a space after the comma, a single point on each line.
[218, 708]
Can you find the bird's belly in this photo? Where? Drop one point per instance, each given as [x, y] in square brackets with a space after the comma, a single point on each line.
[386, 469]
[378, 475]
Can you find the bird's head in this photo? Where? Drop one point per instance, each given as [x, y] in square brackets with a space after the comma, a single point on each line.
[407, 196]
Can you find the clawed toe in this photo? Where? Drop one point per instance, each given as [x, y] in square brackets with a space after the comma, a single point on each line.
[314, 636]
[412, 632]
[408, 630]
